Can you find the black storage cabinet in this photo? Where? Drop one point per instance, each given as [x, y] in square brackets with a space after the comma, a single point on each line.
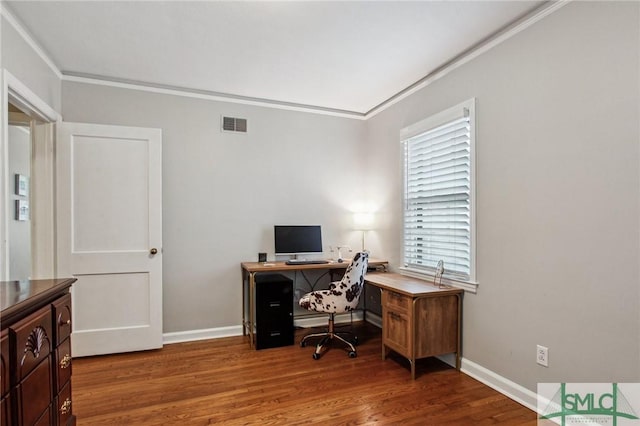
[274, 311]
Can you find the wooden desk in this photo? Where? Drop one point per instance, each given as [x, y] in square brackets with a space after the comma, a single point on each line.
[419, 319]
[249, 271]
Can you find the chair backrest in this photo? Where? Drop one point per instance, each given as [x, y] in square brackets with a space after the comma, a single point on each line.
[353, 280]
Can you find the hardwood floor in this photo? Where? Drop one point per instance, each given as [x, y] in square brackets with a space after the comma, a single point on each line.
[222, 381]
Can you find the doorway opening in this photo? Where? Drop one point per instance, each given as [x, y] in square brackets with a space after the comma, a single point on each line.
[27, 185]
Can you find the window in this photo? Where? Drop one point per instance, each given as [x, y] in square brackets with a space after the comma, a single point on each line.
[439, 193]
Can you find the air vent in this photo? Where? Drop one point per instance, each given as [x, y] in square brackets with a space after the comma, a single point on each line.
[232, 124]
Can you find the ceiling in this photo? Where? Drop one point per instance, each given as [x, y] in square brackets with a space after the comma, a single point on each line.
[335, 55]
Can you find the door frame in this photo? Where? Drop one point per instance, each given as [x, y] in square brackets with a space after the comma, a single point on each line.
[19, 94]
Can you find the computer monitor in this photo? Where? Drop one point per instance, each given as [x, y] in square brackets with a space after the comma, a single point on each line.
[297, 239]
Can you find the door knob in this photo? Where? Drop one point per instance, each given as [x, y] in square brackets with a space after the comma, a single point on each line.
[153, 251]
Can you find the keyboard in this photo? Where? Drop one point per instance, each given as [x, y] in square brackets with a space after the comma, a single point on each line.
[305, 262]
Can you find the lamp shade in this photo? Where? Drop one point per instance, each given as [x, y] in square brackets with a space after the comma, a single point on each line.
[363, 221]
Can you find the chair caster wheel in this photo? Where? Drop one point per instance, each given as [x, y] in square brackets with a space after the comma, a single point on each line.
[302, 343]
[316, 356]
[352, 354]
[355, 340]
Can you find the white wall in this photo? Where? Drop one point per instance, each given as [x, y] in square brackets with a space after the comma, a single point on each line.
[558, 218]
[223, 192]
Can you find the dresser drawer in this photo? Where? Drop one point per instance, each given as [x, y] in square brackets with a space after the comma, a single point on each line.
[396, 301]
[4, 363]
[63, 363]
[33, 341]
[35, 393]
[62, 317]
[5, 411]
[45, 420]
[63, 405]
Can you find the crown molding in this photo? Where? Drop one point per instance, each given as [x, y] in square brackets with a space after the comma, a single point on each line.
[478, 49]
[28, 38]
[205, 94]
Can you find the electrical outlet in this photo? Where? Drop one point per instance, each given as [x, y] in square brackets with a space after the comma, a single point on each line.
[542, 355]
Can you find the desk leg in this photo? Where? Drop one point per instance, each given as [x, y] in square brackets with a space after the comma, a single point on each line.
[459, 345]
[244, 298]
[385, 351]
[413, 331]
[252, 293]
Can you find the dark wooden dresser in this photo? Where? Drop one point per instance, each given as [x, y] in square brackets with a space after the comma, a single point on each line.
[35, 366]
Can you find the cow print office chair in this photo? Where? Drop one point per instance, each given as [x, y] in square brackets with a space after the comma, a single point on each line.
[341, 297]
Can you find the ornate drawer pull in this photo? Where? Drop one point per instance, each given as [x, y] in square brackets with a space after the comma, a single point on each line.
[65, 361]
[62, 322]
[66, 406]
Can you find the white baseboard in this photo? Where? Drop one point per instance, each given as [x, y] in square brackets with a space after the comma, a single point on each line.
[503, 385]
[374, 319]
[236, 330]
[203, 334]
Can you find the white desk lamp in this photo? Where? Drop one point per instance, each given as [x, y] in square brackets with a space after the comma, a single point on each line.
[363, 222]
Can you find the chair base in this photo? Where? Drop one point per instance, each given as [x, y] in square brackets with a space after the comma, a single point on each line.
[329, 336]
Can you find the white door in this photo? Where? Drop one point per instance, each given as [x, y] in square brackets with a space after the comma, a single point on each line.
[109, 216]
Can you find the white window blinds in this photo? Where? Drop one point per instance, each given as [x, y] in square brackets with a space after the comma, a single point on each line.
[437, 199]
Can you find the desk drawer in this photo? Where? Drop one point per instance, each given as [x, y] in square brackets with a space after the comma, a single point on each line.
[396, 301]
[396, 332]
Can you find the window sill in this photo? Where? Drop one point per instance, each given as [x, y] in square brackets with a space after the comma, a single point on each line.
[470, 286]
